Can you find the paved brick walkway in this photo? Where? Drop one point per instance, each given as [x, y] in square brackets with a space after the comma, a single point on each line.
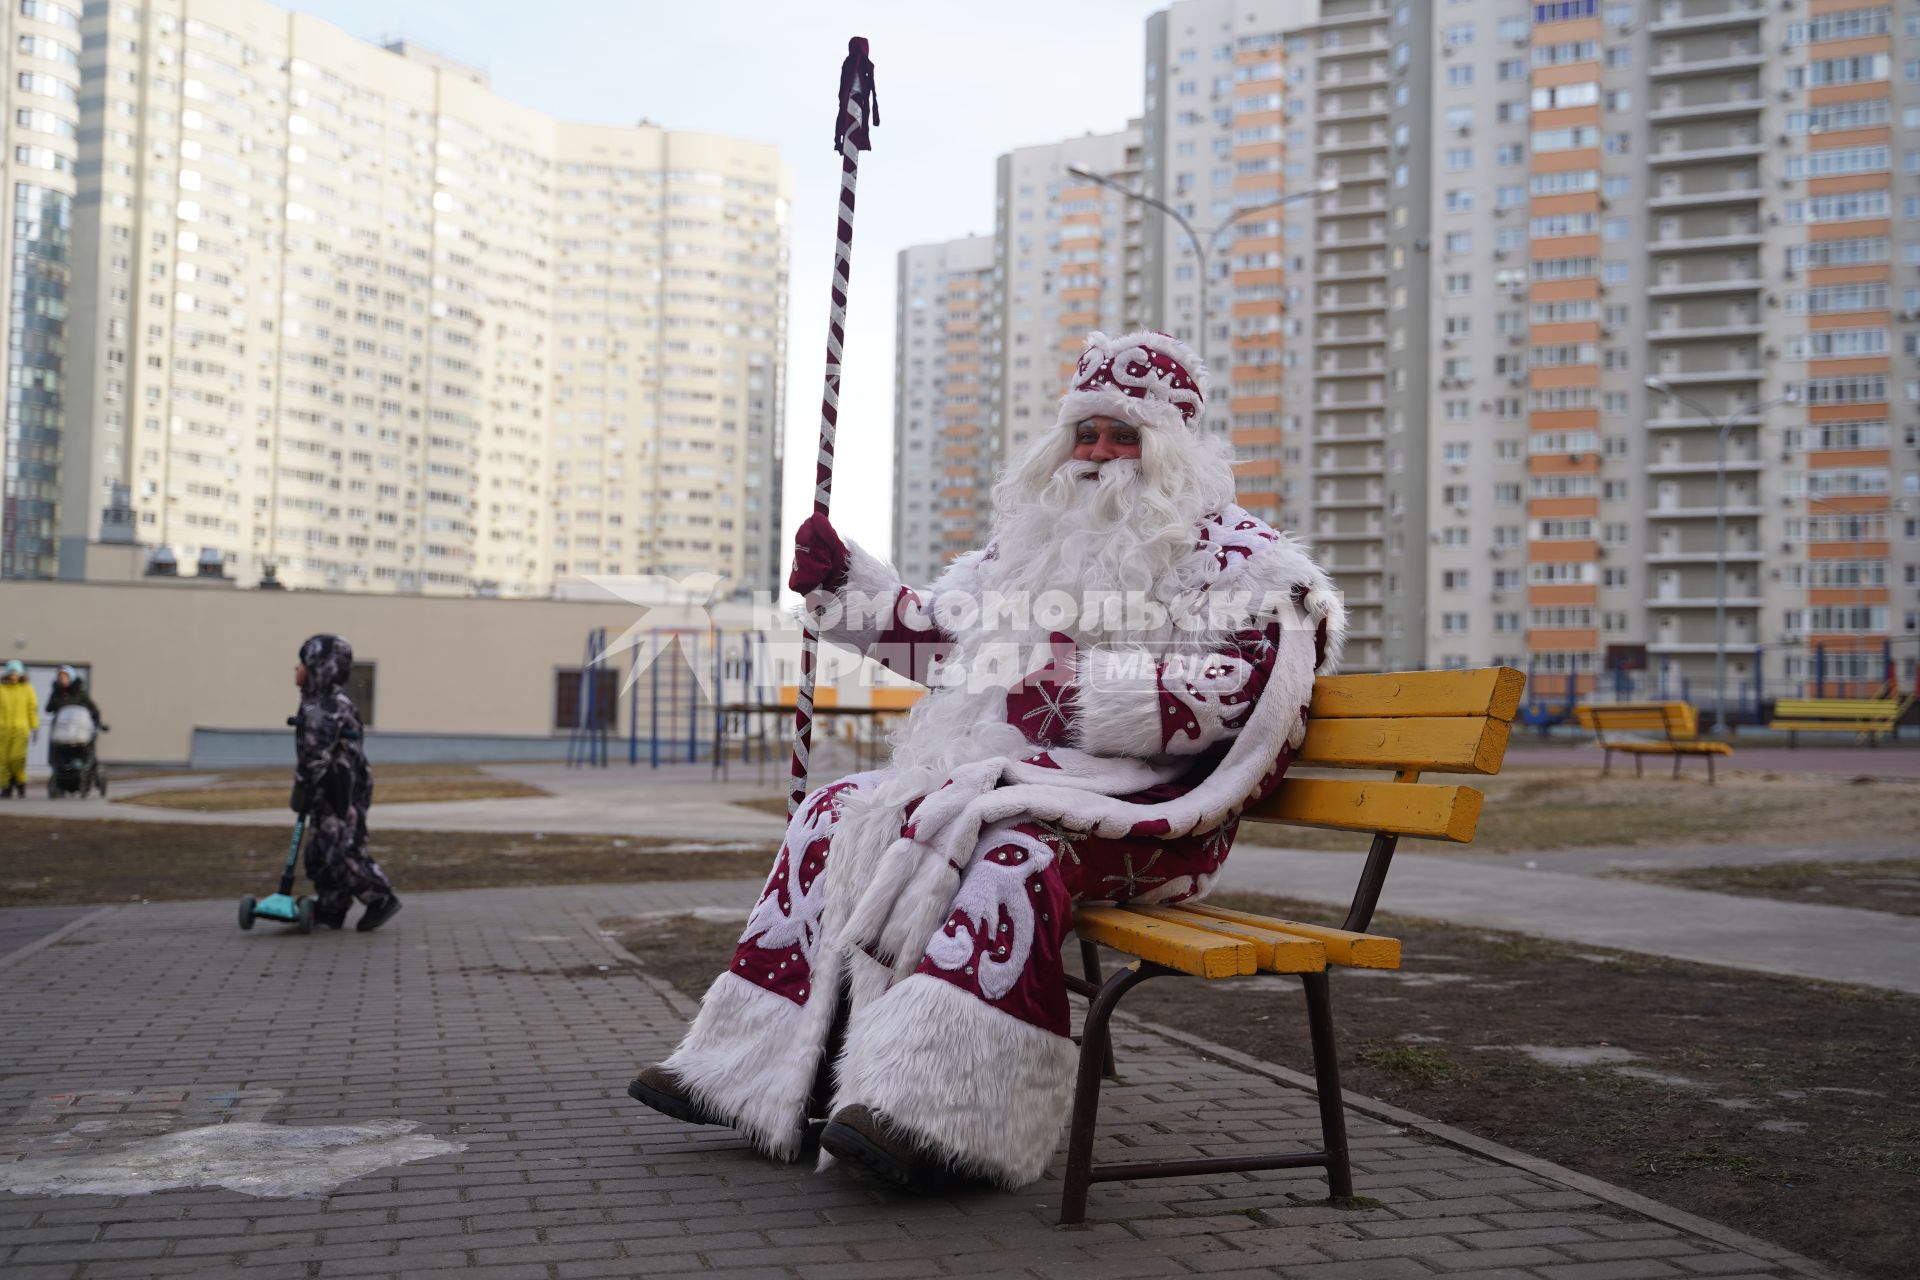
[502, 1021]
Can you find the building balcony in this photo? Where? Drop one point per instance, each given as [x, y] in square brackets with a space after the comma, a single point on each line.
[1707, 332]
[1698, 424]
[1373, 435]
[1740, 13]
[1375, 405]
[1702, 602]
[1694, 377]
[1352, 371]
[1700, 155]
[1351, 275]
[1750, 510]
[1365, 307]
[1704, 199]
[1707, 648]
[1739, 105]
[1703, 244]
[1355, 18]
[1701, 468]
[1373, 110]
[1698, 288]
[1371, 238]
[1350, 339]
[1706, 556]
[1372, 75]
[1346, 535]
[1372, 468]
[1346, 146]
[1354, 502]
[1380, 44]
[1722, 64]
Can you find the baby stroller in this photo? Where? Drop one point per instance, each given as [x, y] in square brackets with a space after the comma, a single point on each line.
[70, 754]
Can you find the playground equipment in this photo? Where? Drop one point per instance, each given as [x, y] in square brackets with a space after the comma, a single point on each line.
[1543, 715]
[691, 694]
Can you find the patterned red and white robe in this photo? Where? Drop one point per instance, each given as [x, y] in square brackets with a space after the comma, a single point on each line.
[943, 918]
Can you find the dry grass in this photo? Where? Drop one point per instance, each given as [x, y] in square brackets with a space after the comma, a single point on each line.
[1891, 884]
[1540, 808]
[53, 861]
[247, 789]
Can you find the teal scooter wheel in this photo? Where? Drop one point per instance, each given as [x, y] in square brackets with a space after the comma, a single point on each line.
[246, 911]
[306, 915]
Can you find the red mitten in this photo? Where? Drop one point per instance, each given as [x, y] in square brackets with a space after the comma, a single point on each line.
[820, 559]
[1042, 706]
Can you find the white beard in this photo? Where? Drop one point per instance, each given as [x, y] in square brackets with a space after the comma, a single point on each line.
[1076, 535]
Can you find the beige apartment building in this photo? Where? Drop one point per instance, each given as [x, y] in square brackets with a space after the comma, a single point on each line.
[1604, 355]
[341, 311]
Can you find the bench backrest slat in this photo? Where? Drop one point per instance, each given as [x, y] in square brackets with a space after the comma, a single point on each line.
[1675, 719]
[1847, 708]
[1407, 722]
[1490, 691]
[1397, 808]
[1446, 744]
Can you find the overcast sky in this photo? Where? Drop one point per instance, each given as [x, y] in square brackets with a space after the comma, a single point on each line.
[959, 85]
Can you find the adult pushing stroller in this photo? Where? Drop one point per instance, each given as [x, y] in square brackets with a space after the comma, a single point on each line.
[70, 742]
[74, 764]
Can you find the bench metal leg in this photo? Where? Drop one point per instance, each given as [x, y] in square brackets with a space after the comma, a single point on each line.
[1709, 770]
[1090, 961]
[1676, 766]
[1086, 1090]
[1326, 1078]
[1606, 764]
[1637, 758]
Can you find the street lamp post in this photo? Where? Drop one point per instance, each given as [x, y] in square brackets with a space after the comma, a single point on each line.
[1202, 249]
[1723, 425]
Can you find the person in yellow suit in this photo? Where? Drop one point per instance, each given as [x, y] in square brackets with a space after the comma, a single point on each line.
[19, 722]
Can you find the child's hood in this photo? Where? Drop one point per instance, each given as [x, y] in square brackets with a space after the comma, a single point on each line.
[328, 660]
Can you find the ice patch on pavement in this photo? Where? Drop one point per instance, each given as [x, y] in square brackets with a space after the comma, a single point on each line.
[264, 1160]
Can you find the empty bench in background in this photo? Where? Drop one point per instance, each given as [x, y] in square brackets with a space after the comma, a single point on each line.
[1869, 716]
[1649, 729]
[1407, 723]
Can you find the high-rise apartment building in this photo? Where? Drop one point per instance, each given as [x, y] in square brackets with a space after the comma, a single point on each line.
[342, 311]
[1674, 255]
[1440, 372]
[40, 104]
[990, 327]
[1071, 259]
[943, 456]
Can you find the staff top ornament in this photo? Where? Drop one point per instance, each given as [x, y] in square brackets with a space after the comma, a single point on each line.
[1146, 379]
[858, 89]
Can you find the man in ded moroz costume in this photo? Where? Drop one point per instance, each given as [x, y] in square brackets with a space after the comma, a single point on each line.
[1166, 646]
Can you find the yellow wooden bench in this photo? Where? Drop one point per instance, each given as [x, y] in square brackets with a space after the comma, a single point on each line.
[1869, 716]
[1405, 723]
[1676, 723]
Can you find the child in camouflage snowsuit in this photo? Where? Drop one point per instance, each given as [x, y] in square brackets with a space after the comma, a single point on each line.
[333, 787]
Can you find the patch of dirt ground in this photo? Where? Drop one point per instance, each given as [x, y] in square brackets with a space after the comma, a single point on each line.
[52, 861]
[1891, 884]
[1789, 1110]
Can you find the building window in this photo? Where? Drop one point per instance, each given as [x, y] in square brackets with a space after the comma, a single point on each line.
[568, 713]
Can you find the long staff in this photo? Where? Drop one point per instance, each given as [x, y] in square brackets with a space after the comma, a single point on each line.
[859, 108]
